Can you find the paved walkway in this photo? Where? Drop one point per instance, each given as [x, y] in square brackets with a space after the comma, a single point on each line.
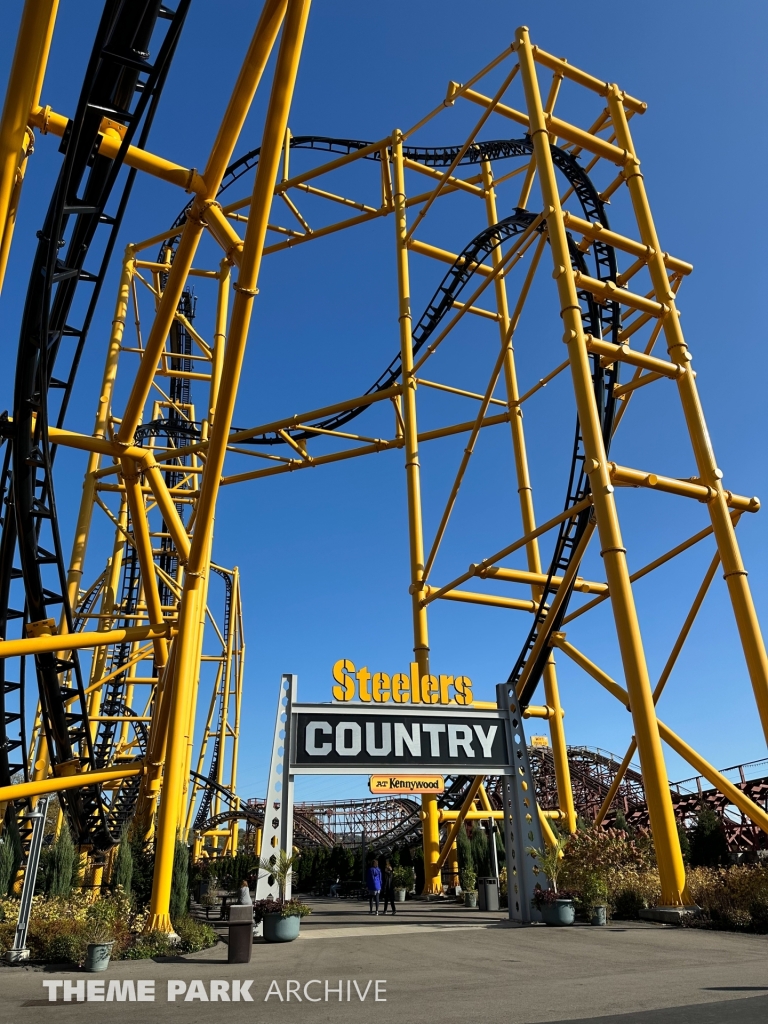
[434, 962]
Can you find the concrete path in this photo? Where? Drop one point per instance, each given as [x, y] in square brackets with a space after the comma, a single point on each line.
[433, 962]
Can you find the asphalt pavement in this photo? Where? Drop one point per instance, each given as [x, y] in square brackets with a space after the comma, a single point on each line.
[432, 962]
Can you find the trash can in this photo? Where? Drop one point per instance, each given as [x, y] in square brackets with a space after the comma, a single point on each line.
[240, 934]
[488, 893]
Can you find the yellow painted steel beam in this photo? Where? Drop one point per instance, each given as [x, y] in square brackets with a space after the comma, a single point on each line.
[445, 815]
[708, 471]
[581, 586]
[553, 125]
[492, 600]
[562, 67]
[594, 229]
[444, 256]
[624, 354]
[25, 81]
[234, 118]
[49, 643]
[671, 868]
[455, 828]
[27, 790]
[623, 476]
[183, 692]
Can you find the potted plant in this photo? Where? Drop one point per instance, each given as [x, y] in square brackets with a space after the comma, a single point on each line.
[100, 943]
[208, 900]
[403, 879]
[281, 918]
[556, 908]
[468, 883]
[594, 899]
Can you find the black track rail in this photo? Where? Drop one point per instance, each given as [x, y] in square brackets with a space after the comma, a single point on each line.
[120, 84]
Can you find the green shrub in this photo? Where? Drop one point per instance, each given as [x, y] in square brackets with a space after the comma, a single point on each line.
[708, 843]
[150, 945]
[194, 935]
[403, 878]
[627, 904]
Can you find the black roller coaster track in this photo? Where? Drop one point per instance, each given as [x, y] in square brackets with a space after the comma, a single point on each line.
[600, 320]
[122, 86]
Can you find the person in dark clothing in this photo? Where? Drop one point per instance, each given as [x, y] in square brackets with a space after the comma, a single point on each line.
[373, 882]
[388, 887]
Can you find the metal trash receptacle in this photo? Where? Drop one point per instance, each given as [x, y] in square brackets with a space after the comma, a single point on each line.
[488, 893]
[240, 934]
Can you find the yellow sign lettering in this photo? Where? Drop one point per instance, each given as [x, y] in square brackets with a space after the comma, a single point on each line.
[411, 687]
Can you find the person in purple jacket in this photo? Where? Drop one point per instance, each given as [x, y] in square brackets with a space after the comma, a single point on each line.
[373, 881]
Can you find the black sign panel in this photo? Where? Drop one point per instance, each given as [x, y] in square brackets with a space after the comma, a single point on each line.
[331, 739]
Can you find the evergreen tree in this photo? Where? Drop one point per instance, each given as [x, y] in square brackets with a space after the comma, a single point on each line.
[61, 864]
[180, 882]
[10, 854]
[122, 874]
[685, 843]
[464, 850]
[709, 846]
[480, 851]
[620, 821]
[6, 864]
[143, 869]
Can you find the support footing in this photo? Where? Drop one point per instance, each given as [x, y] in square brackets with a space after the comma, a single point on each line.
[669, 915]
[16, 956]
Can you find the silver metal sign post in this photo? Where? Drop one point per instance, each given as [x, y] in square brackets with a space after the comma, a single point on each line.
[19, 950]
[278, 808]
[522, 828]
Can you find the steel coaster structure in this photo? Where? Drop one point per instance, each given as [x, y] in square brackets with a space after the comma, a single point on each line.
[386, 823]
[157, 460]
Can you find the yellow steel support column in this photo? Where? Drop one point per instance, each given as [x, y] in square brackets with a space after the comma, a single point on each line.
[453, 864]
[187, 662]
[239, 104]
[413, 482]
[22, 94]
[83, 526]
[709, 474]
[662, 819]
[507, 327]
[143, 543]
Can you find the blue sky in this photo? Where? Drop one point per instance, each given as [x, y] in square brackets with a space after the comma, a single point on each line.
[324, 553]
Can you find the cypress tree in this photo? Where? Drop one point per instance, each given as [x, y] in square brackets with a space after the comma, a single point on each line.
[122, 874]
[464, 850]
[7, 859]
[479, 846]
[61, 864]
[180, 882]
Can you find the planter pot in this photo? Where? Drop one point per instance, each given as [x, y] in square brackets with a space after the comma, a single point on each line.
[599, 916]
[559, 913]
[470, 899]
[281, 929]
[399, 895]
[97, 957]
